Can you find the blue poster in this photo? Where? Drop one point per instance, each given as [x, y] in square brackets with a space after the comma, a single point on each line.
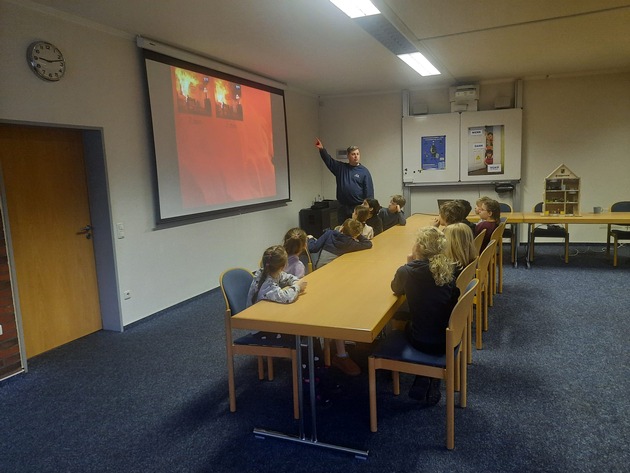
[433, 153]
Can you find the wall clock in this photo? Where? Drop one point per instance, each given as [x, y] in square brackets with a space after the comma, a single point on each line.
[46, 60]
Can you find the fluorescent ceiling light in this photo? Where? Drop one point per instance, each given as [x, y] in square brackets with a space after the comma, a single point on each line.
[356, 8]
[420, 64]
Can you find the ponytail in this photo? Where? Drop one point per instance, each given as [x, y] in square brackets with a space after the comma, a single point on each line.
[274, 259]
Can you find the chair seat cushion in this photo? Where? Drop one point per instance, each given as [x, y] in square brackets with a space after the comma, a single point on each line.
[395, 346]
[267, 339]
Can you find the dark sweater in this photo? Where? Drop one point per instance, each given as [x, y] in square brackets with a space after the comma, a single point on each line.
[334, 243]
[354, 183]
[430, 305]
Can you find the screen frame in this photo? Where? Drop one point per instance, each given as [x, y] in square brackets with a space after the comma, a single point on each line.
[244, 79]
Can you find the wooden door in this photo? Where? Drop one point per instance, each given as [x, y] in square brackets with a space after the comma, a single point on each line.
[47, 203]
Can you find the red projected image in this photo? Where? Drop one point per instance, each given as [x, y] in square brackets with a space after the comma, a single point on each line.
[227, 157]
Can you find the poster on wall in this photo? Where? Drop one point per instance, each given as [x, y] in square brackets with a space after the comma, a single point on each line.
[485, 150]
[431, 148]
[433, 153]
[491, 145]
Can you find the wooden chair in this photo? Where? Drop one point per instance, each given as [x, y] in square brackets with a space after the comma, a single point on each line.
[483, 292]
[235, 285]
[616, 233]
[497, 266]
[510, 232]
[479, 240]
[548, 231]
[467, 275]
[396, 354]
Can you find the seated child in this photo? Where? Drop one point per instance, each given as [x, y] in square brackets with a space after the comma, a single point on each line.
[373, 219]
[450, 212]
[271, 283]
[393, 214]
[467, 209]
[489, 212]
[361, 213]
[335, 243]
[427, 281]
[295, 244]
[460, 246]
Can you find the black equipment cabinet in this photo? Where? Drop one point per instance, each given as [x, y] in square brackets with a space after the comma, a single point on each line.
[321, 216]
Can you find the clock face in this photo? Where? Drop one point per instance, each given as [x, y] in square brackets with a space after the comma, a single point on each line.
[46, 61]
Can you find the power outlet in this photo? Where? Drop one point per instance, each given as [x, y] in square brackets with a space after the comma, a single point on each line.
[127, 294]
[120, 230]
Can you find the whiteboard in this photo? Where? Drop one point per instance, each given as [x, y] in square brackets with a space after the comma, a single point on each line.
[462, 147]
[431, 149]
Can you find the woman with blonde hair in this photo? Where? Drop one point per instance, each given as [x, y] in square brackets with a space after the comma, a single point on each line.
[427, 281]
[460, 246]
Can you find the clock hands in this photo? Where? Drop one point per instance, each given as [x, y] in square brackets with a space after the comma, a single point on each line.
[48, 60]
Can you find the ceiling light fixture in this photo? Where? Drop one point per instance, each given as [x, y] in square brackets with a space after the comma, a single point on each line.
[356, 8]
[420, 64]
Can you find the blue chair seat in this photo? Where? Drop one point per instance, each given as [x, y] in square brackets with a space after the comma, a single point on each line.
[267, 339]
[396, 347]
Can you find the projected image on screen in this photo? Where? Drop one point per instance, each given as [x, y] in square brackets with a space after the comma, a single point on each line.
[220, 142]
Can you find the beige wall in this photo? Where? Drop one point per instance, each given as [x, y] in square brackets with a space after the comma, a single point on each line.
[583, 122]
[103, 88]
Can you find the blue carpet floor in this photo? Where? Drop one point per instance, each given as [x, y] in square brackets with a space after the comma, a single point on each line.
[548, 393]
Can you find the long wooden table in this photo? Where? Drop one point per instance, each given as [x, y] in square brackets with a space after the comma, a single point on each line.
[533, 218]
[347, 299]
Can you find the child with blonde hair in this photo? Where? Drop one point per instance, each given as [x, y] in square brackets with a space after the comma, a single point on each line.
[427, 281]
[271, 283]
[460, 247]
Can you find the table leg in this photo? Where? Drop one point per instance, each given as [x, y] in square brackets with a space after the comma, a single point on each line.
[529, 237]
[302, 438]
[517, 242]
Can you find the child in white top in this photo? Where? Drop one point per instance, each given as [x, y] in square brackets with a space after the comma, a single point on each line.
[271, 283]
[295, 244]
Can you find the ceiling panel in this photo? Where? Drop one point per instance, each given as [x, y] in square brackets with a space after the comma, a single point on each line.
[312, 46]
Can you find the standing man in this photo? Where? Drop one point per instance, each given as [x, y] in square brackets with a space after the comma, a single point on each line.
[354, 182]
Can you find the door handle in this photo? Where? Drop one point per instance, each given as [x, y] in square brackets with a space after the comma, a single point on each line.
[87, 231]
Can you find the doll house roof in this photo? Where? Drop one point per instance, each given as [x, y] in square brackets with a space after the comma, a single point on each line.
[562, 172]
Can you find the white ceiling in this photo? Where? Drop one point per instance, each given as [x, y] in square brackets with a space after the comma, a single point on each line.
[312, 46]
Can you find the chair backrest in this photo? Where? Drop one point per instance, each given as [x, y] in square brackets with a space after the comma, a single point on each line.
[483, 266]
[497, 234]
[458, 322]
[505, 208]
[309, 265]
[479, 240]
[467, 275]
[623, 206]
[235, 285]
[538, 207]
